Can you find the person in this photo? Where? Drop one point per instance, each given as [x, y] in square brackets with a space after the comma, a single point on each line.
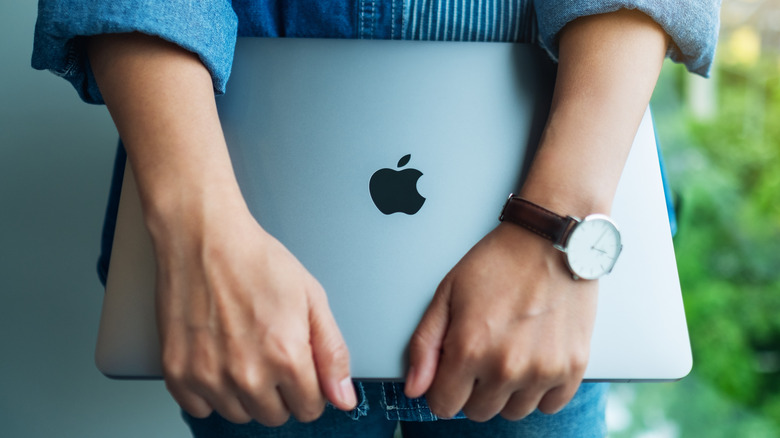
[246, 331]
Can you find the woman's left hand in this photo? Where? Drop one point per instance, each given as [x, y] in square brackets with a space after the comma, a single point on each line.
[508, 331]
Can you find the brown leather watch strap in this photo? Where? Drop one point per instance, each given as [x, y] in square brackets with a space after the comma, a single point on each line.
[536, 219]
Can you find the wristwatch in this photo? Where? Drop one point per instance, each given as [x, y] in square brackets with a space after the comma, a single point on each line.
[590, 246]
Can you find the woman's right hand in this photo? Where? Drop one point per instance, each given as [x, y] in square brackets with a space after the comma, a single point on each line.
[245, 329]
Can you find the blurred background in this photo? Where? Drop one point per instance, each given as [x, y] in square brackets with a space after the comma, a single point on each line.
[721, 141]
[55, 159]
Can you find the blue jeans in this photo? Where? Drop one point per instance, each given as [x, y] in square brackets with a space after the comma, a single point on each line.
[583, 417]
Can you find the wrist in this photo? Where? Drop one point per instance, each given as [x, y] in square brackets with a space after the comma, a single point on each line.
[575, 174]
[180, 207]
[568, 198]
[590, 245]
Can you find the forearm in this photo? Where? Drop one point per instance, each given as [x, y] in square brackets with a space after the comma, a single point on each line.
[609, 65]
[245, 330]
[161, 99]
[512, 290]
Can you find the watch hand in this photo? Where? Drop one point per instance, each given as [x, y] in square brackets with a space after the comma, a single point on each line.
[599, 239]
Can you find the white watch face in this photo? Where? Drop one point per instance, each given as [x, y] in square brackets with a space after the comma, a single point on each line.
[593, 247]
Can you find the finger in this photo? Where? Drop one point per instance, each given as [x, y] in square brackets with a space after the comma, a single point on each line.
[331, 357]
[486, 401]
[426, 344]
[557, 398]
[192, 403]
[248, 383]
[449, 392]
[304, 407]
[301, 391]
[201, 402]
[462, 355]
[216, 393]
[521, 404]
[267, 407]
[231, 408]
[178, 374]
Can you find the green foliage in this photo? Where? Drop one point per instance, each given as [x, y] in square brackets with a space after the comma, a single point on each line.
[726, 172]
[689, 408]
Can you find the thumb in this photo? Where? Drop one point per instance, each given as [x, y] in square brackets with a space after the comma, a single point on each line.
[331, 357]
[426, 343]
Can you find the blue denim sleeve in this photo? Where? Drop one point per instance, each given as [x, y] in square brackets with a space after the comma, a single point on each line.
[692, 24]
[207, 28]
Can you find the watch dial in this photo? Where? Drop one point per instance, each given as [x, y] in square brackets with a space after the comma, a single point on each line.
[593, 247]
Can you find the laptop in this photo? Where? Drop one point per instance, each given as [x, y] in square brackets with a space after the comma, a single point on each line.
[404, 152]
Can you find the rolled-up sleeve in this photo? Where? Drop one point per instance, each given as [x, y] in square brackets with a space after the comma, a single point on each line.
[692, 25]
[206, 28]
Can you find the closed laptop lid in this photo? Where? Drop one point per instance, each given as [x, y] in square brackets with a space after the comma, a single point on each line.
[379, 164]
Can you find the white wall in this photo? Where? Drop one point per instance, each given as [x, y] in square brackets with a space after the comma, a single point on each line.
[55, 158]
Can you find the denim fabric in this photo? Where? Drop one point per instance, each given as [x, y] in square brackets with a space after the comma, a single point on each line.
[112, 208]
[365, 19]
[693, 25]
[458, 20]
[398, 407]
[583, 417]
[209, 28]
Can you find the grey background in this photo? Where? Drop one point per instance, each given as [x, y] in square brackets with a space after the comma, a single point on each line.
[55, 158]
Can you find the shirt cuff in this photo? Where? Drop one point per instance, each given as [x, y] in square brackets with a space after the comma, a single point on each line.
[206, 28]
[692, 25]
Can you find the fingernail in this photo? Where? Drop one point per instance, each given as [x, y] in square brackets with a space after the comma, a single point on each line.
[348, 392]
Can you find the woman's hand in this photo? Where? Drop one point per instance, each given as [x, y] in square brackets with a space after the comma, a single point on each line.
[508, 331]
[245, 329]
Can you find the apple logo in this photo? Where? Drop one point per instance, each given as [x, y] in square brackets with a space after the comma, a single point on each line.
[395, 191]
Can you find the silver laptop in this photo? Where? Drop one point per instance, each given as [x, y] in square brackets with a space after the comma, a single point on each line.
[404, 153]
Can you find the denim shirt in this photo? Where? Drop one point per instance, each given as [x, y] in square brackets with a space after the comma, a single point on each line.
[210, 28]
